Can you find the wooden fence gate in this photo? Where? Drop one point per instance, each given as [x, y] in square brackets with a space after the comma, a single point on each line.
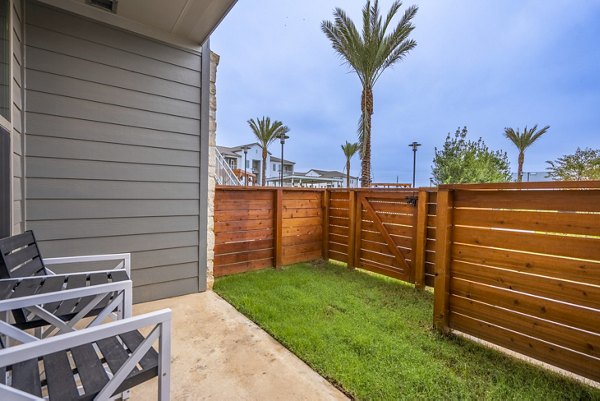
[380, 231]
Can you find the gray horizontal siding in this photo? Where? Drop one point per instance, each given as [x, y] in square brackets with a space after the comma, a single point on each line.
[101, 151]
[41, 188]
[86, 90]
[58, 105]
[95, 131]
[60, 209]
[50, 18]
[112, 142]
[98, 170]
[109, 75]
[18, 208]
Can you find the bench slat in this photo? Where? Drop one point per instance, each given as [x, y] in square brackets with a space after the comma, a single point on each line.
[59, 377]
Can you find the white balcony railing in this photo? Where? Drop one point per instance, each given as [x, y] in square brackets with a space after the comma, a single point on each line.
[225, 175]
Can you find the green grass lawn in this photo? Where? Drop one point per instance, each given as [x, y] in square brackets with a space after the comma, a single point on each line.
[372, 336]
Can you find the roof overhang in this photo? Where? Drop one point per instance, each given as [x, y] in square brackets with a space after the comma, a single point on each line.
[184, 23]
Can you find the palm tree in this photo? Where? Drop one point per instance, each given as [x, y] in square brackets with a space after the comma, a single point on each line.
[522, 141]
[349, 150]
[369, 54]
[266, 132]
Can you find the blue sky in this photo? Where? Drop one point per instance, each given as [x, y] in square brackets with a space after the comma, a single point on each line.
[486, 65]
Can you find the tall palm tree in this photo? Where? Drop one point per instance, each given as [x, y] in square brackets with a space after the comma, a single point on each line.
[266, 132]
[349, 150]
[369, 53]
[522, 141]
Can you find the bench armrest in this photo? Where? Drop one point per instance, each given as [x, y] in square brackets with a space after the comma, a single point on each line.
[123, 258]
[159, 322]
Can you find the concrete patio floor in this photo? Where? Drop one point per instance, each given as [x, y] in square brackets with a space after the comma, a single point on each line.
[219, 354]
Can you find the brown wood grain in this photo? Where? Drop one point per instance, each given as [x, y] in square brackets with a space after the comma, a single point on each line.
[278, 227]
[567, 246]
[234, 247]
[562, 313]
[398, 254]
[553, 288]
[340, 256]
[555, 222]
[236, 215]
[246, 256]
[564, 336]
[243, 204]
[561, 357]
[443, 252]
[237, 236]
[302, 230]
[544, 265]
[242, 225]
[566, 200]
[242, 267]
[298, 213]
[420, 238]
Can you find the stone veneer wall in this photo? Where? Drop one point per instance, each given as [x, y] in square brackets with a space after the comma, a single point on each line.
[212, 171]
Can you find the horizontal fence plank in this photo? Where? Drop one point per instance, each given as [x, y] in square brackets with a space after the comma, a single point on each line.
[242, 225]
[565, 200]
[246, 256]
[220, 271]
[570, 315]
[237, 205]
[529, 346]
[553, 288]
[237, 215]
[383, 269]
[564, 336]
[543, 265]
[568, 223]
[557, 245]
[252, 235]
[233, 247]
[302, 230]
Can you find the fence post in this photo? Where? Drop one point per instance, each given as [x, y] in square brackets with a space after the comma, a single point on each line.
[351, 228]
[278, 227]
[420, 239]
[443, 253]
[357, 227]
[325, 230]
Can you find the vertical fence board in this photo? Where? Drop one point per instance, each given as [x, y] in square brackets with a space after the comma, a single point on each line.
[442, 260]
[420, 231]
[352, 262]
[278, 215]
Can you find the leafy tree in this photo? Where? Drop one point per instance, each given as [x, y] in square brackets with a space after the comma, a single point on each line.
[349, 150]
[584, 165]
[369, 53]
[266, 132]
[466, 161]
[522, 141]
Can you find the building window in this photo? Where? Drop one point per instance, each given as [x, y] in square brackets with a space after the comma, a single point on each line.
[274, 167]
[5, 59]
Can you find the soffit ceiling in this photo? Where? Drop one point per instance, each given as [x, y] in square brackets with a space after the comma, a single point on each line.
[191, 21]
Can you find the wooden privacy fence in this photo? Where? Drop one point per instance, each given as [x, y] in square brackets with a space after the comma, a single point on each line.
[519, 266]
[377, 230]
[257, 228]
[387, 232]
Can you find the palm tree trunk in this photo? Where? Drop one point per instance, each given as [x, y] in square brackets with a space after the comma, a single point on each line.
[348, 173]
[520, 170]
[264, 166]
[367, 112]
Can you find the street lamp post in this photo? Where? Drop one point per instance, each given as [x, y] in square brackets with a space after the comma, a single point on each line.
[245, 149]
[282, 138]
[414, 145]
